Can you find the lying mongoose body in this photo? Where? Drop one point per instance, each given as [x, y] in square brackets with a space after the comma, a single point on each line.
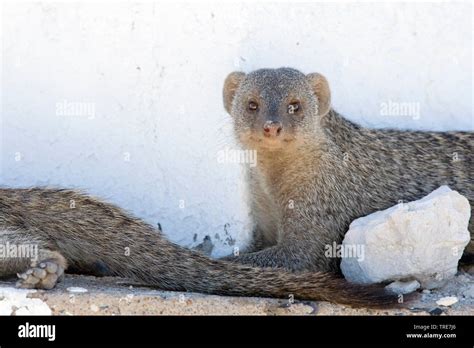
[316, 171]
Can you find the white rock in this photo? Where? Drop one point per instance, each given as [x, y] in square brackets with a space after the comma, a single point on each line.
[421, 240]
[403, 287]
[16, 302]
[447, 301]
[76, 290]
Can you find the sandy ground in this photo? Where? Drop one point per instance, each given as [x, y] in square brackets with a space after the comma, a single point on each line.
[81, 295]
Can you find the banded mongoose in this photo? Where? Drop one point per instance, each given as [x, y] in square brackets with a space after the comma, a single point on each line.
[296, 199]
[316, 171]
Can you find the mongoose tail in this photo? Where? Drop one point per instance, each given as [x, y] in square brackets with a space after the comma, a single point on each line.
[190, 271]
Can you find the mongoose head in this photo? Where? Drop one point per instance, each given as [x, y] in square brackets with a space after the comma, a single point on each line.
[275, 108]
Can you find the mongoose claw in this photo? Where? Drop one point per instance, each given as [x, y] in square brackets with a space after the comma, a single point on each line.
[44, 276]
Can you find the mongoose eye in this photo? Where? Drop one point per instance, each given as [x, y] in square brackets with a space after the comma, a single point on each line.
[293, 108]
[253, 106]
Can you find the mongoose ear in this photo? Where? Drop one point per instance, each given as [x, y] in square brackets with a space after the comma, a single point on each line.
[321, 89]
[232, 82]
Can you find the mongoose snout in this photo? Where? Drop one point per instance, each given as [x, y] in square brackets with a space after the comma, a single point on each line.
[272, 128]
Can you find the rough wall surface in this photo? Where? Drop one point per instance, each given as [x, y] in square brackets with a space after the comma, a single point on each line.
[124, 100]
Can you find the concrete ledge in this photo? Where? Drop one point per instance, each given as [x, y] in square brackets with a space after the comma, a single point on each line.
[86, 295]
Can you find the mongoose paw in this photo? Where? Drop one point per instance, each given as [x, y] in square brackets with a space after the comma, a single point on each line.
[44, 275]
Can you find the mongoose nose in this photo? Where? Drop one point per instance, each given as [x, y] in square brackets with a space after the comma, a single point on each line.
[272, 128]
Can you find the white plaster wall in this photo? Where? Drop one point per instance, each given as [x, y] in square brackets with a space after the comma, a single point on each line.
[153, 73]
